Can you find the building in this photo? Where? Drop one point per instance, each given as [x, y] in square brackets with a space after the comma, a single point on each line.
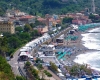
[47, 50]
[14, 13]
[42, 29]
[60, 40]
[7, 26]
[27, 19]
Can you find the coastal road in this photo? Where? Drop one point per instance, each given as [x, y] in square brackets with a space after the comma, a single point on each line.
[14, 63]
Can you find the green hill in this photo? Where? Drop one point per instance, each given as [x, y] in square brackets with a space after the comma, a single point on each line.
[47, 6]
[5, 70]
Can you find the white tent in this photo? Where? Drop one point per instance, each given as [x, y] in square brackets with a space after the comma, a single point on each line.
[30, 56]
[59, 70]
[27, 47]
[60, 75]
[23, 50]
[23, 54]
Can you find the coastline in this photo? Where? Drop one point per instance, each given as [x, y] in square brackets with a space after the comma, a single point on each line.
[80, 48]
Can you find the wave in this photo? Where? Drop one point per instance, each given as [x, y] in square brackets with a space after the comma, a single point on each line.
[92, 60]
[91, 41]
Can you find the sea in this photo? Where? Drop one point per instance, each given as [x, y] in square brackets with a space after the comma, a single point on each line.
[90, 41]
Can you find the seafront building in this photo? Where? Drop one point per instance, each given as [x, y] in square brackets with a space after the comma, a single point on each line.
[7, 26]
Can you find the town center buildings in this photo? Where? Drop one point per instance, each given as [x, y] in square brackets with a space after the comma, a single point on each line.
[7, 26]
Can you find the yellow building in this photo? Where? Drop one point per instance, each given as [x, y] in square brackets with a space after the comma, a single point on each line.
[7, 26]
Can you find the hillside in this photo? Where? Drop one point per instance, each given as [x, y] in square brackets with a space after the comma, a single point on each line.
[42, 7]
[5, 70]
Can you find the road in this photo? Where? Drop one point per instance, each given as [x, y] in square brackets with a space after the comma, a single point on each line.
[15, 64]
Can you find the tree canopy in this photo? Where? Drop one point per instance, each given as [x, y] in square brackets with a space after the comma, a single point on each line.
[5, 70]
[42, 7]
[67, 20]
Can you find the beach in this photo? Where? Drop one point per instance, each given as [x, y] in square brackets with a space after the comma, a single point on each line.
[78, 49]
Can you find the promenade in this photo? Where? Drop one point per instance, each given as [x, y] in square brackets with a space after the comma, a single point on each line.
[14, 61]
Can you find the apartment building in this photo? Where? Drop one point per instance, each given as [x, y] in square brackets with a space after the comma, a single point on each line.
[7, 26]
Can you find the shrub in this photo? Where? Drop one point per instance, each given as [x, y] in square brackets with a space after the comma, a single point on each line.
[47, 73]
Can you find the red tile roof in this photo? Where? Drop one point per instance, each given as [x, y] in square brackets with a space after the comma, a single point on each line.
[27, 17]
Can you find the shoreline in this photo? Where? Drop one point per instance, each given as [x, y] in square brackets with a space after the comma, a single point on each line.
[81, 49]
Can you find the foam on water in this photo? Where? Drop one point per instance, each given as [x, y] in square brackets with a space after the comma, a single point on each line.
[91, 58]
[93, 30]
[91, 41]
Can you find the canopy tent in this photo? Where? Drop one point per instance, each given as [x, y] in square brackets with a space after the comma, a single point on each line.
[30, 56]
[59, 70]
[87, 26]
[71, 37]
[23, 54]
[60, 74]
[61, 56]
[24, 50]
[27, 47]
[59, 52]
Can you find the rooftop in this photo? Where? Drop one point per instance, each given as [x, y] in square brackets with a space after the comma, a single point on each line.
[27, 17]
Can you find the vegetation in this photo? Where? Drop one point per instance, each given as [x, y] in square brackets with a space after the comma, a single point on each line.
[32, 72]
[20, 78]
[67, 20]
[38, 60]
[41, 7]
[27, 64]
[54, 67]
[94, 18]
[10, 42]
[18, 29]
[5, 70]
[47, 73]
[37, 23]
[3, 46]
[77, 70]
[39, 66]
[27, 28]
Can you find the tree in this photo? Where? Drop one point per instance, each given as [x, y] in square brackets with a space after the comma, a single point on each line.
[67, 20]
[33, 25]
[19, 29]
[27, 64]
[34, 33]
[40, 67]
[54, 67]
[74, 70]
[20, 78]
[91, 16]
[25, 36]
[5, 70]
[37, 23]
[3, 46]
[3, 76]
[27, 28]
[77, 70]
[2, 11]
[35, 73]
[14, 42]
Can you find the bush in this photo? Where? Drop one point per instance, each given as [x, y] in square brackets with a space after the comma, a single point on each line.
[47, 73]
[20, 78]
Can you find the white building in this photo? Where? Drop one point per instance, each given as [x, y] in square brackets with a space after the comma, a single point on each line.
[47, 50]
